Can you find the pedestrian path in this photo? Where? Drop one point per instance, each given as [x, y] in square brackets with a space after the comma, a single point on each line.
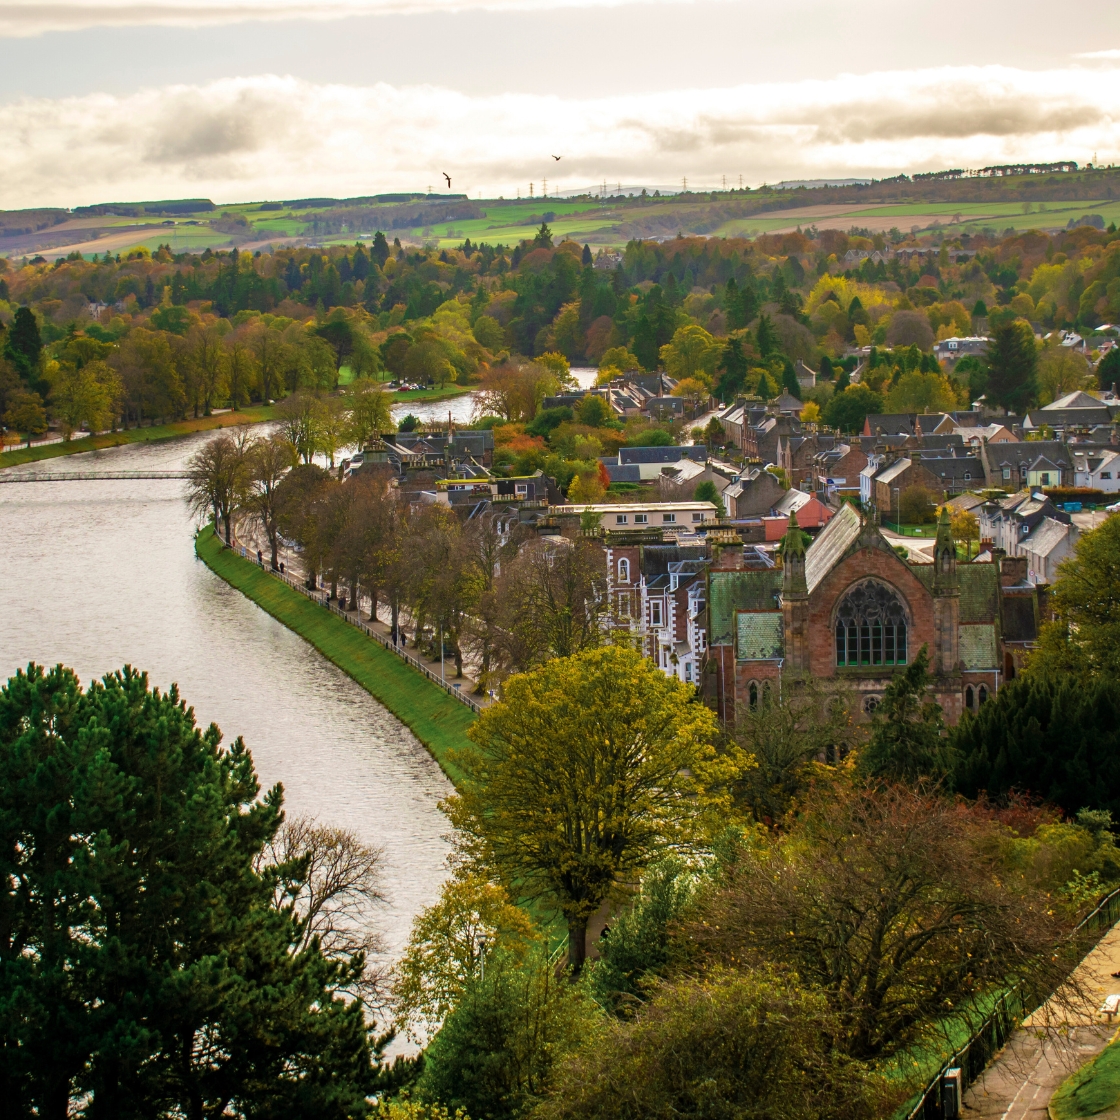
[1051, 1044]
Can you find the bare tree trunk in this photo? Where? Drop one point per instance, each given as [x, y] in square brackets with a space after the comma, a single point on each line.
[274, 545]
[577, 944]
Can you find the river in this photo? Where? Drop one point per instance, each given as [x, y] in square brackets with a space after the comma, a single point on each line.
[99, 574]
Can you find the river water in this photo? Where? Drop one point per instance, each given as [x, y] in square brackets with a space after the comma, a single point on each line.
[99, 574]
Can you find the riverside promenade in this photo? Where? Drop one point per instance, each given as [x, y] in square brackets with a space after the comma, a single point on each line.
[1050, 1045]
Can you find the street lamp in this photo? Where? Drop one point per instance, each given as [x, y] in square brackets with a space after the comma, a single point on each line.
[897, 512]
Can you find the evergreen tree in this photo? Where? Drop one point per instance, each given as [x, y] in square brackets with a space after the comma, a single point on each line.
[146, 966]
[906, 741]
[379, 250]
[543, 240]
[789, 379]
[359, 265]
[767, 340]
[1012, 362]
[733, 306]
[24, 344]
[1108, 370]
[587, 257]
[733, 364]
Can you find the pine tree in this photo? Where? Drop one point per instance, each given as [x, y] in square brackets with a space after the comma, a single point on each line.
[140, 923]
[733, 363]
[587, 259]
[1012, 361]
[767, 341]
[24, 344]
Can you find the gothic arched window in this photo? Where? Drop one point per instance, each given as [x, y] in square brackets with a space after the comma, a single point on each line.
[969, 698]
[871, 626]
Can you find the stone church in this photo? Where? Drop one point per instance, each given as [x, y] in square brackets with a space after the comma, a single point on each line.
[849, 608]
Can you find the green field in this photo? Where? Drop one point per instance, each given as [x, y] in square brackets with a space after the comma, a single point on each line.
[1092, 1089]
[21, 455]
[438, 720]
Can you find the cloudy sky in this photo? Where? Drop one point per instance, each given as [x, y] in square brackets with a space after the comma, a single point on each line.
[105, 100]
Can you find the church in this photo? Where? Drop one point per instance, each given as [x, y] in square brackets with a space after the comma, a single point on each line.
[847, 607]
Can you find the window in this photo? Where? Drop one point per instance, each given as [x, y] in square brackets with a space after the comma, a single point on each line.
[982, 695]
[620, 519]
[640, 519]
[688, 671]
[870, 627]
[1007, 472]
[521, 488]
[655, 612]
[870, 704]
[700, 516]
[1106, 474]
[753, 695]
[968, 476]
[668, 518]
[969, 698]
[1045, 478]
[624, 571]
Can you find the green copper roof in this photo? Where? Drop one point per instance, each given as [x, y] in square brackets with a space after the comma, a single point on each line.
[749, 590]
[978, 647]
[760, 635]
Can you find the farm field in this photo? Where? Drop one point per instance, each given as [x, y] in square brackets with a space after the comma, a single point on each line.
[600, 223]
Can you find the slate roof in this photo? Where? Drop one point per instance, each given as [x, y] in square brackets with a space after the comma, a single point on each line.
[957, 471]
[978, 647]
[759, 636]
[979, 584]
[1076, 399]
[1048, 536]
[833, 541]
[751, 589]
[695, 451]
[1020, 623]
[889, 474]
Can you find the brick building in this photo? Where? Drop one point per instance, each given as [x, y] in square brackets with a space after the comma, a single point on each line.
[849, 609]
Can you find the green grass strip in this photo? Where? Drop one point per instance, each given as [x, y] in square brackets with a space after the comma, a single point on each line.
[19, 456]
[438, 720]
[1092, 1089]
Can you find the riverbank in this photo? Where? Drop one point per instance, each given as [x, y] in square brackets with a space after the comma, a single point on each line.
[438, 720]
[22, 455]
[430, 396]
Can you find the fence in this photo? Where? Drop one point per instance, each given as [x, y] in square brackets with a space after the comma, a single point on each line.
[387, 642]
[973, 1057]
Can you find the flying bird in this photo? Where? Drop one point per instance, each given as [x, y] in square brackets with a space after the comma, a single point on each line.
[448, 178]
[556, 157]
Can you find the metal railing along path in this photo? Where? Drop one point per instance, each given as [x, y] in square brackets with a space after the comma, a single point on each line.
[317, 596]
[7, 477]
[1000, 1023]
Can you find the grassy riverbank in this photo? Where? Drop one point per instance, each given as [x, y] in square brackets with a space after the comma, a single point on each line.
[435, 718]
[19, 456]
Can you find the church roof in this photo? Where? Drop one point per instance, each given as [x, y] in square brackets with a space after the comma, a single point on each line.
[833, 541]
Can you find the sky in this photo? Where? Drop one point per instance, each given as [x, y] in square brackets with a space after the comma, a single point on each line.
[113, 100]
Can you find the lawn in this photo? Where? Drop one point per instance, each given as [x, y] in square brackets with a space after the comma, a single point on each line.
[22, 455]
[1094, 1088]
[438, 720]
[447, 393]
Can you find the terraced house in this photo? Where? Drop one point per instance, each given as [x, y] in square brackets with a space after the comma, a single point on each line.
[847, 608]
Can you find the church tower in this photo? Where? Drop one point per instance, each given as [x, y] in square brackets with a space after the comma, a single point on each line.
[795, 597]
[946, 598]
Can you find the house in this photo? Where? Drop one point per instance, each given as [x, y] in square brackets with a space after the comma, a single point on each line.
[1048, 545]
[650, 461]
[806, 377]
[951, 350]
[795, 455]
[641, 515]
[1007, 465]
[1098, 469]
[975, 436]
[752, 494]
[848, 609]
[1007, 522]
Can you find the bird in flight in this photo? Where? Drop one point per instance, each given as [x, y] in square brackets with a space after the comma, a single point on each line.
[556, 157]
[448, 178]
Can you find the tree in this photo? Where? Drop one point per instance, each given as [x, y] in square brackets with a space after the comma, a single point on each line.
[728, 1045]
[26, 414]
[555, 602]
[267, 461]
[706, 492]
[733, 364]
[1012, 361]
[922, 392]
[847, 410]
[910, 328]
[210, 363]
[766, 340]
[23, 344]
[692, 354]
[85, 395]
[147, 966]
[1108, 369]
[447, 947]
[370, 413]
[300, 419]
[580, 776]
[1061, 370]
[781, 738]
[964, 527]
[895, 906]
[1084, 637]
[1054, 736]
[916, 506]
[907, 740]
[515, 1022]
[215, 481]
[241, 372]
[543, 240]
